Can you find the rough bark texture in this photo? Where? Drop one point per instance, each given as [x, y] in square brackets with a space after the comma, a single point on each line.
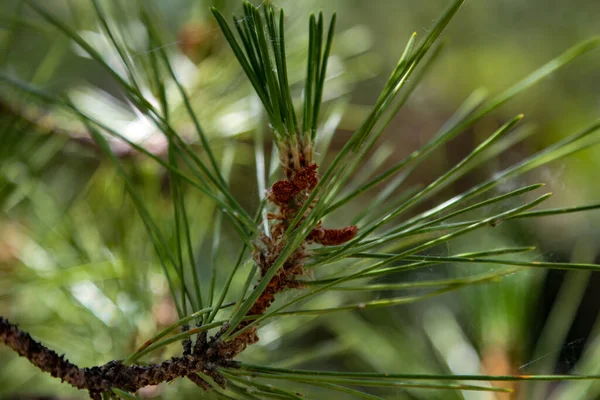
[111, 375]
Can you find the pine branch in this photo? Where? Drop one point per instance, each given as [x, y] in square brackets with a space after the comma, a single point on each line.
[114, 374]
[298, 203]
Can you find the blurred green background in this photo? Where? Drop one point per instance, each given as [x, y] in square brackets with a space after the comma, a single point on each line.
[78, 272]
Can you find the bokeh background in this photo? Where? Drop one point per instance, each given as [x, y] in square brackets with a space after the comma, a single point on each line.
[77, 271]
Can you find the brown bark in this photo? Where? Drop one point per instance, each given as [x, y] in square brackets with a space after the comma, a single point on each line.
[111, 375]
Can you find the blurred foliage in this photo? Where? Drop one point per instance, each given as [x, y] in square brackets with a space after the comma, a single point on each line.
[79, 271]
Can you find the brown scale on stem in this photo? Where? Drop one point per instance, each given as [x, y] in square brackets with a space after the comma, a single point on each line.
[332, 237]
[289, 196]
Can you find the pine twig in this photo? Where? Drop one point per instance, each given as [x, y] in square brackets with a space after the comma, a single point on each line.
[114, 374]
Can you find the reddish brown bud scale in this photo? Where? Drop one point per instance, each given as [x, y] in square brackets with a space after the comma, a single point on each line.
[283, 191]
[333, 237]
[306, 178]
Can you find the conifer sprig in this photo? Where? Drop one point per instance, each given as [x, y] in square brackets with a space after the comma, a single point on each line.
[262, 56]
[228, 303]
